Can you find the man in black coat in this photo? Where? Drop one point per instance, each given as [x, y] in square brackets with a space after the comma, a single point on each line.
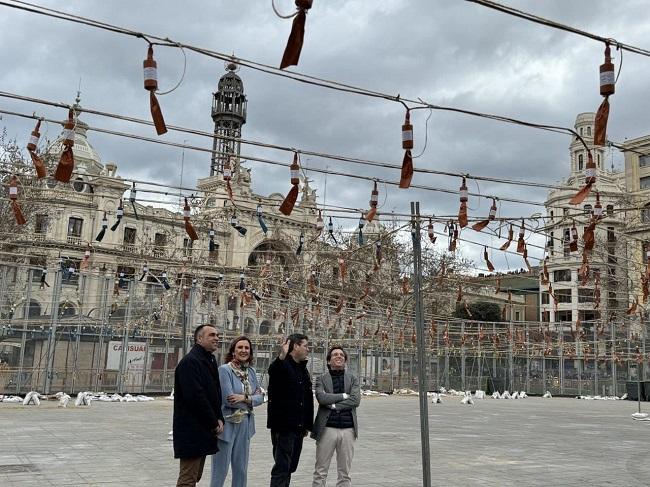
[290, 407]
[197, 406]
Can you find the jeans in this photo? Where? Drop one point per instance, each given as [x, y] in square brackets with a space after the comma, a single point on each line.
[287, 446]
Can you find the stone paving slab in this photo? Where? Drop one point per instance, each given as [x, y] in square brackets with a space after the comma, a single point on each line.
[554, 442]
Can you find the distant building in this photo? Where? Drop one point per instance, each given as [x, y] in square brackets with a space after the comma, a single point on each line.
[573, 298]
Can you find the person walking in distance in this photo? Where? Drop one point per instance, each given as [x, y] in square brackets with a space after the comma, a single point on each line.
[240, 393]
[335, 428]
[290, 407]
[197, 406]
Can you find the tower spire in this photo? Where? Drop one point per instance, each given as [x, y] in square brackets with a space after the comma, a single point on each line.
[229, 114]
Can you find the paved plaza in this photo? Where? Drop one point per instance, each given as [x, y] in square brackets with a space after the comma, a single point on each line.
[535, 441]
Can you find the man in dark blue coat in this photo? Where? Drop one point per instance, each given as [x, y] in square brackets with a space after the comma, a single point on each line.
[197, 406]
[290, 407]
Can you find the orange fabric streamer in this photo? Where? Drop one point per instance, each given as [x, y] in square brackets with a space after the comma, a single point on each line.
[374, 197]
[487, 260]
[188, 225]
[13, 197]
[293, 49]
[63, 171]
[407, 171]
[150, 67]
[511, 235]
[292, 196]
[590, 180]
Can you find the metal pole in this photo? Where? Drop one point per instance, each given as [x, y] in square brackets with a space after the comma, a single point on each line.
[184, 323]
[614, 371]
[23, 338]
[82, 293]
[51, 342]
[419, 324]
[125, 338]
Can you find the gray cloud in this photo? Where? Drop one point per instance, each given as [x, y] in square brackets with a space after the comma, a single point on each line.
[448, 52]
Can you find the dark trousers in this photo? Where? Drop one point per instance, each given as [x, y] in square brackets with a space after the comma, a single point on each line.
[287, 446]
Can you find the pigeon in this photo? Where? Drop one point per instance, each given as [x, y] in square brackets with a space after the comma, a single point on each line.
[641, 416]
[83, 399]
[15, 399]
[64, 399]
[32, 397]
[467, 399]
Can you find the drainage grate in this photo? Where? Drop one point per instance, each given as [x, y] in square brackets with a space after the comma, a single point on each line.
[18, 468]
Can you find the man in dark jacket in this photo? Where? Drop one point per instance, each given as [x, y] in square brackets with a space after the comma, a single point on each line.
[197, 406]
[335, 427]
[290, 407]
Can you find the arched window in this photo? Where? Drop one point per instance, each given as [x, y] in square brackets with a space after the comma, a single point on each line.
[598, 160]
[588, 131]
[581, 162]
[580, 130]
[610, 210]
[249, 326]
[266, 327]
[587, 209]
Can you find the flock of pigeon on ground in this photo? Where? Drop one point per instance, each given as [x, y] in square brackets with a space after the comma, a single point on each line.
[85, 398]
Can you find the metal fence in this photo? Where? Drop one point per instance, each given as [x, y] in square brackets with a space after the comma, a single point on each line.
[93, 331]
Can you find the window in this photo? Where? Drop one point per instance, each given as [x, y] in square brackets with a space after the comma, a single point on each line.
[610, 210]
[644, 183]
[566, 240]
[644, 161]
[159, 244]
[563, 295]
[79, 185]
[611, 237]
[37, 265]
[123, 276]
[129, 235]
[565, 315]
[562, 275]
[612, 302]
[588, 316]
[70, 271]
[645, 248]
[40, 226]
[588, 131]
[598, 160]
[565, 212]
[585, 295]
[645, 214]
[187, 247]
[587, 209]
[551, 240]
[74, 227]
[517, 316]
[546, 316]
[545, 298]
[581, 162]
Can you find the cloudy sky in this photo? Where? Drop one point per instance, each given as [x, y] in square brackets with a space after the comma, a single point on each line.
[447, 52]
